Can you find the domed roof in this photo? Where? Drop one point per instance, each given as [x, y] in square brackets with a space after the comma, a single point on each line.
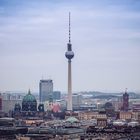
[108, 105]
[72, 120]
[29, 97]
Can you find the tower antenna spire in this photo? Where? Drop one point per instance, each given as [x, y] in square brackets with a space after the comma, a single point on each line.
[69, 29]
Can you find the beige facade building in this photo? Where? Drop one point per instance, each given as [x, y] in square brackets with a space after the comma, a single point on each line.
[136, 116]
[126, 115]
[102, 122]
[91, 115]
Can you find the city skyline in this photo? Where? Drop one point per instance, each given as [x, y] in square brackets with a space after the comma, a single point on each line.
[105, 38]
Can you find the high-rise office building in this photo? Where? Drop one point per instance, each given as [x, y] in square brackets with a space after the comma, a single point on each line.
[45, 90]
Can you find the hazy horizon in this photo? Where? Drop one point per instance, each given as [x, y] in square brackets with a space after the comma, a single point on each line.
[105, 39]
[65, 92]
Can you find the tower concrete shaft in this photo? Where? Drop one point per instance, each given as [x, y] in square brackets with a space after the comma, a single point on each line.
[69, 55]
[69, 102]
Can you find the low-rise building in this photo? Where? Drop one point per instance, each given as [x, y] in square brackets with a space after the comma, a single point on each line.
[8, 105]
[91, 115]
[102, 122]
[136, 107]
[136, 116]
[125, 115]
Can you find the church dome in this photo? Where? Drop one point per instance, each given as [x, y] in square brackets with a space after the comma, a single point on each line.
[72, 120]
[29, 102]
[29, 97]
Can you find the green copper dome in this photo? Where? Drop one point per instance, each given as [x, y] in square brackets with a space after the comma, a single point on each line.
[29, 97]
[29, 105]
[72, 120]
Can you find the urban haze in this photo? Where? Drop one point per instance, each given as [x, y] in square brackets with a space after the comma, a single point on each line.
[105, 37]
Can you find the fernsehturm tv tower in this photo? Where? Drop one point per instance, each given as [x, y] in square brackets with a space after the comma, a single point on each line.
[69, 55]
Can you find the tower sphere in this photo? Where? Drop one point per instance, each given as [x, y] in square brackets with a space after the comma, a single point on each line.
[69, 54]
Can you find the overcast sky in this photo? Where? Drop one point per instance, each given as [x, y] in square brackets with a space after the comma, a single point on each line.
[105, 39]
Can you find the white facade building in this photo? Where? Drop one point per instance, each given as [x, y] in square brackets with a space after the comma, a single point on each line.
[76, 100]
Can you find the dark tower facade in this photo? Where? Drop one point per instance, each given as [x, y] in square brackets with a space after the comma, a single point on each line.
[125, 101]
[69, 55]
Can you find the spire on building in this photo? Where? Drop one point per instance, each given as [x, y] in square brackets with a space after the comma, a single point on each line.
[125, 101]
[69, 29]
[29, 92]
[125, 90]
